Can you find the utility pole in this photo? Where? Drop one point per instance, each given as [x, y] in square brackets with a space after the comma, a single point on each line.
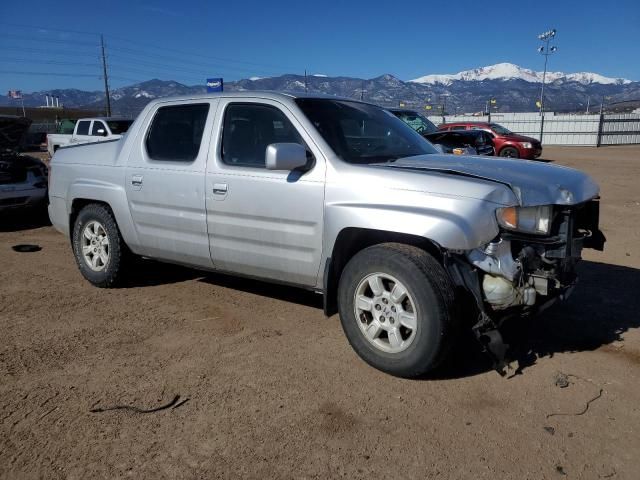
[104, 75]
[546, 51]
[362, 91]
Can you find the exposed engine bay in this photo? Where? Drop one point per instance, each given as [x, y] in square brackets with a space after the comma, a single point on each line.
[518, 274]
[528, 271]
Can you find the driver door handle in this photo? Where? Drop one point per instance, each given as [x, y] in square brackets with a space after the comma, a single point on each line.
[136, 180]
[220, 188]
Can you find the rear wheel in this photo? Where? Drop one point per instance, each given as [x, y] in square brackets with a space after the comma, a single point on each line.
[98, 246]
[397, 309]
[510, 152]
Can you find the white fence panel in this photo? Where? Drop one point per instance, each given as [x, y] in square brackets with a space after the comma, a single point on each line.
[561, 129]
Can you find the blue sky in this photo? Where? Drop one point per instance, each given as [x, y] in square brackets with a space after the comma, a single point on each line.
[188, 41]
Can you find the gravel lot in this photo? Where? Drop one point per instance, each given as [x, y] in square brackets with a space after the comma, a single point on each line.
[275, 391]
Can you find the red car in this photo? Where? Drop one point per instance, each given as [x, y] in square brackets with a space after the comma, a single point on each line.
[506, 143]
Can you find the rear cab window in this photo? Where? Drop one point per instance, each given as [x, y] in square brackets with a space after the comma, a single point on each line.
[119, 127]
[175, 133]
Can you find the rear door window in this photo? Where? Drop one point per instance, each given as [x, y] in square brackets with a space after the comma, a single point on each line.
[83, 127]
[176, 132]
[98, 125]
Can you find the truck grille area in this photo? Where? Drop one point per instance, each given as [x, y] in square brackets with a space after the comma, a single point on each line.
[552, 259]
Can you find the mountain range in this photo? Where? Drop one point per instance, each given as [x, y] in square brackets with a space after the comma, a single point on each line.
[515, 89]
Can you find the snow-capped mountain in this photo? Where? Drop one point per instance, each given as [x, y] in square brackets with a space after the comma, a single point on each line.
[509, 71]
[515, 89]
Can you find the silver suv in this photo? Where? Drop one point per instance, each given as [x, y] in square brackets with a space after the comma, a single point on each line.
[336, 196]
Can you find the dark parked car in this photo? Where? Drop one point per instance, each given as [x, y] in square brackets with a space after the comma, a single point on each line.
[36, 142]
[507, 143]
[419, 123]
[467, 142]
[23, 179]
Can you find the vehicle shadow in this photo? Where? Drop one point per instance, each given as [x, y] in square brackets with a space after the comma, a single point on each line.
[24, 219]
[285, 293]
[604, 305]
[151, 273]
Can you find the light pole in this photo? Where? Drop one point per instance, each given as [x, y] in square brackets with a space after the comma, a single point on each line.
[444, 105]
[545, 50]
[490, 103]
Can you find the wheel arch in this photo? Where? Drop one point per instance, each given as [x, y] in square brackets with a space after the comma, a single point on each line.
[111, 195]
[352, 240]
[509, 145]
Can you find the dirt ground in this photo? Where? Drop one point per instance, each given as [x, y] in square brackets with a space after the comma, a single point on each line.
[275, 391]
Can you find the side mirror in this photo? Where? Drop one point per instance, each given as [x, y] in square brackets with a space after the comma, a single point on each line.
[101, 132]
[285, 156]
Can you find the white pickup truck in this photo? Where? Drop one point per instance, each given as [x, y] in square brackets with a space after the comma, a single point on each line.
[89, 130]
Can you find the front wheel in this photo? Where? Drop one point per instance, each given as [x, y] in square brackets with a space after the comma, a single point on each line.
[510, 152]
[397, 309]
[98, 247]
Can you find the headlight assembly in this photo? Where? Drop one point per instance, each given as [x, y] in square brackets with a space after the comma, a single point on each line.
[536, 220]
[526, 145]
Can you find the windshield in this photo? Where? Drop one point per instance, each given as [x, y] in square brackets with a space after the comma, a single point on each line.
[416, 121]
[500, 130]
[118, 127]
[362, 133]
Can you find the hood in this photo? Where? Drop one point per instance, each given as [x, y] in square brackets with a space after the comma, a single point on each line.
[534, 183]
[12, 131]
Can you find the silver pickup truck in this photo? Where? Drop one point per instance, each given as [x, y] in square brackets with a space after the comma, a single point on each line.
[336, 196]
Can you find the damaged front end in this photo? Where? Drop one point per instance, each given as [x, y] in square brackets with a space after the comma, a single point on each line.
[527, 267]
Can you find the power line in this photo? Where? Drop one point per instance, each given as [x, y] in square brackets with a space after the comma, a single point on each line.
[183, 53]
[47, 40]
[57, 74]
[49, 62]
[200, 55]
[152, 72]
[132, 55]
[57, 53]
[137, 60]
[15, 72]
[46, 28]
[164, 66]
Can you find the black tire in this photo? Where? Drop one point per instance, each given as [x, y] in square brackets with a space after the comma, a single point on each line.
[432, 292]
[118, 256]
[510, 152]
